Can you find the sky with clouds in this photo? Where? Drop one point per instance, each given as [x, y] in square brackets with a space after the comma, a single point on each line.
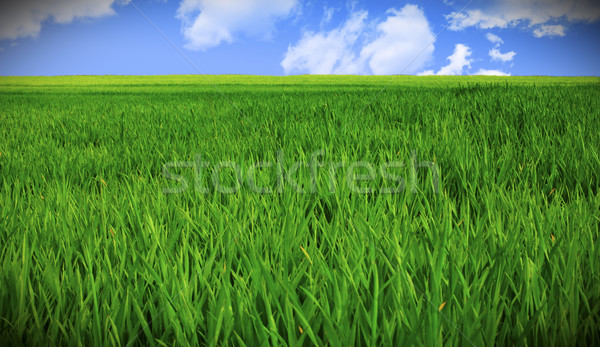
[282, 37]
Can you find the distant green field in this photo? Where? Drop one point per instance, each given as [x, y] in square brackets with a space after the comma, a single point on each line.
[327, 210]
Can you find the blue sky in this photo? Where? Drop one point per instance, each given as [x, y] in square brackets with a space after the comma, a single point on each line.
[279, 37]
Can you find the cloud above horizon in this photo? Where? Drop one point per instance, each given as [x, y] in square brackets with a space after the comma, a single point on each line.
[496, 55]
[402, 43]
[484, 72]
[327, 52]
[208, 23]
[24, 18]
[460, 61]
[494, 38]
[541, 17]
[549, 30]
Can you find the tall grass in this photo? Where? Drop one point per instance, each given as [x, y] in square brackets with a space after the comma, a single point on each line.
[95, 253]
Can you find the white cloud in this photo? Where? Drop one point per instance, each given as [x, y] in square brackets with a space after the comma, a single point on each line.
[400, 47]
[208, 23]
[549, 30]
[458, 61]
[426, 73]
[460, 21]
[494, 38]
[532, 14]
[24, 18]
[461, 59]
[327, 15]
[397, 46]
[484, 72]
[495, 53]
[503, 57]
[321, 53]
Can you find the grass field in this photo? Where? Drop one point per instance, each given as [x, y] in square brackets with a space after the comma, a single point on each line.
[483, 229]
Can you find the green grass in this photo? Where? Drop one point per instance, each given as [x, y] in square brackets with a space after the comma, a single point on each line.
[95, 253]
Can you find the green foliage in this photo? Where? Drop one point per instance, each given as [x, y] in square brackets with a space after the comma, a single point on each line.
[94, 253]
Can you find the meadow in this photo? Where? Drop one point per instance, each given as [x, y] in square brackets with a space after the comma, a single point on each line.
[482, 230]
